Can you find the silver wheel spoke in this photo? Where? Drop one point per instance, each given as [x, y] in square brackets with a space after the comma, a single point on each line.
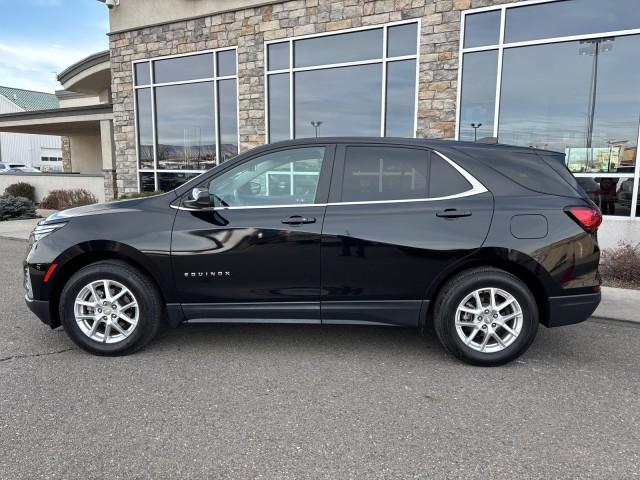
[492, 296]
[117, 296]
[94, 327]
[119, 329]
[128, 306]
[107, 331]
[506, 318]
[505, 304]
[484, 342]
[126, 319]
[472, 336]
[96, 298]
[497, 337]
[508, 329]
[465, 323]
[472, 311]
[476, 295]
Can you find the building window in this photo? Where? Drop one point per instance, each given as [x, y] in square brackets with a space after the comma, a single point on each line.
[186, 116]
[561, 76]
[360, 82]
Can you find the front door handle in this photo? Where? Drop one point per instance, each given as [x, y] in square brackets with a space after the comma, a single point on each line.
[298, 220]
[453, 213]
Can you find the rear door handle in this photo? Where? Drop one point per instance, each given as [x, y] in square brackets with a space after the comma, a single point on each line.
[453, 213]
[298, 220]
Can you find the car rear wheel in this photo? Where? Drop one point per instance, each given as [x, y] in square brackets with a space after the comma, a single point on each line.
[486, 316]
[110, 308]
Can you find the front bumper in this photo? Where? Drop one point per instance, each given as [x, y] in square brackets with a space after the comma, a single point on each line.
[41, 309]
[570, 309]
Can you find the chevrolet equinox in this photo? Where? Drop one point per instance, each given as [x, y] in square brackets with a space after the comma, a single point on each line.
[479, 242]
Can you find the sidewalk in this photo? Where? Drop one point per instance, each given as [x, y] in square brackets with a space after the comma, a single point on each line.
[20, 229]
[617, 303]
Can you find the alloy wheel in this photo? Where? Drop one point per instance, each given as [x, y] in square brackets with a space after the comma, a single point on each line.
[488, 320]
[106, 311]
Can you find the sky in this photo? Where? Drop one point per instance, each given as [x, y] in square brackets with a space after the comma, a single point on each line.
[40, 38]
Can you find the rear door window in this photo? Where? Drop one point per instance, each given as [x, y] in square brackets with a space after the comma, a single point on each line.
[379, 173]
[375, 173]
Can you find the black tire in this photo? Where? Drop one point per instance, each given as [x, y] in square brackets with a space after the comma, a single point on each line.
[151, 310]
[464, 284]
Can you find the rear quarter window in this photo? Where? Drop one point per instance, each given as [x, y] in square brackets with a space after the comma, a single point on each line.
[444, 180]
[526, 168]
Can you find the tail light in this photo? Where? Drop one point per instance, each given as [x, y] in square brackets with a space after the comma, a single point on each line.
[588, 218]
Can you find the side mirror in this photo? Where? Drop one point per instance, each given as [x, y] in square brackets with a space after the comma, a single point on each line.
[199, 198]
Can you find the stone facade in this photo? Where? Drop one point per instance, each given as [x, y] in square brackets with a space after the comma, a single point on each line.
[66, 154]
[249, 28]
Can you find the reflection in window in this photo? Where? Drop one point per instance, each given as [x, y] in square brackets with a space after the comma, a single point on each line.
[278, 54]
[402, 40]
[178, 69]
[142, 75]
[278, 93]
[481, 29]
[185, 126]
[338, 86]
[613, 195]
[227, 101]
[571, 17]
[226, 63]
[145, 128]
[284, 177]
[193, 129]
[401, 84]
[578, 97]
[346, 100]
[478, 93]
[339, 48]
[172, 180]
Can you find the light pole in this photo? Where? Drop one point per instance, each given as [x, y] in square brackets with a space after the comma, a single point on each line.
[475, 127]
[316, 124]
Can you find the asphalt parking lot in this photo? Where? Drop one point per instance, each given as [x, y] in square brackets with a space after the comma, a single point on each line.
[312, 402]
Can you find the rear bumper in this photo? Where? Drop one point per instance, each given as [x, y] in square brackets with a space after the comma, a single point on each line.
[40, 308]
[571, 309]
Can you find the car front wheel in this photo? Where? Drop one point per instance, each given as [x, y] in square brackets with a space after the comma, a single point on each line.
[110, 308]
[486, 316]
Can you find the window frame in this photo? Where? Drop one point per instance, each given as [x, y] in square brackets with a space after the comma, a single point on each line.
[384, 60]
[501, 46]
[152, 85]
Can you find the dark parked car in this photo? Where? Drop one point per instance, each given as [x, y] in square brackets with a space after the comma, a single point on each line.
[483, 242]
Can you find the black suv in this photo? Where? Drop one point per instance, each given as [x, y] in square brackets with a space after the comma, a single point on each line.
[481, 241]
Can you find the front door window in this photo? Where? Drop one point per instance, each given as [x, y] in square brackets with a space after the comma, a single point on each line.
[285, 177]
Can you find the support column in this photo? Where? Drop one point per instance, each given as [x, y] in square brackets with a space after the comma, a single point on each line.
[108, 160]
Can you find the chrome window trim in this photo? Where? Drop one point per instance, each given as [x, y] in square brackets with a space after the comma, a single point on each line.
[476, 189]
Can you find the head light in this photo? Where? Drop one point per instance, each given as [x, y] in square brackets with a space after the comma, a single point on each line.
[42, 231]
